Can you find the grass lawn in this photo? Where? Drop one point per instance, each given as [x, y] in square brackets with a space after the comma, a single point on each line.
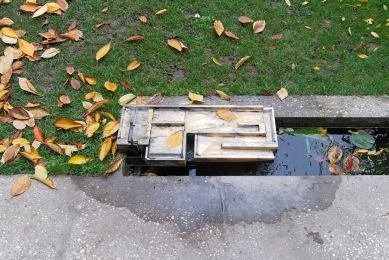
[328, 35]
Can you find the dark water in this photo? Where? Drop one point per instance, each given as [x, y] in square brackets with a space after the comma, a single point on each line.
[297, 155]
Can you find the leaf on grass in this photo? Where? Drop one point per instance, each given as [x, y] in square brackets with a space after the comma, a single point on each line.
[156, 99]
[126, 99]
[40, 11]
[176, 44]
[32, 155]
[226, 115]
[6, 118]
[19, 124]
[90, 80]
[39, 113]
[63, 5]
[218, 26]
[259, 26]
[288, 3]
[375, 35]
[216, 61]
[26, 47]
[49, 53]
[110, 86]
[316, 68]
[277, 36]
[231, 35]
[81, 76]
[174, 139]
[135, 38]
[20, 185]
[110, 128]
[363, 56]
[335, 154]
[241, 61]
[143, 19]
[105, 9]
[127, 85]
[109, 115]
[8, 31]
[10, 153]
[95, 106]
[103, 51]
[195, 97]
[304, 3]
[114, 166]
[245, 19]
[5, 21]
[41, 175]
[223, 95]
[75, 83]
[362, 140]
[6, 62]
[79, 159]
[349, 30]
[105, 148]
[19, 113]
[351, 163]
[333, 168]
[272, 47]
[133, 65]
[282, 93]
[91, 128]
[66, 123]
[38, 134]
[161, 11]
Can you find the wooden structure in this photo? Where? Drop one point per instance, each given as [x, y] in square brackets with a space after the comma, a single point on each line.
[145, 129]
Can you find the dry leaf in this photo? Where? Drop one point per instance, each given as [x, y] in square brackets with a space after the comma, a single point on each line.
[223, 95]
[109, 115]
[241, 61]
[20, 185]
[133, 65]
[100, 25]
[6, 62]
[70, 70]
[55, 147]
[316, 68]
[259, 26]
[277, 36]
[143, 19]
[72, 26]
[195, 97]
[333, 168]
[140, 100]
[53, 8]
[49, 53]
[161, 11]
[156, 99]
[288, 2]
[272, 47]
[90, 80]
[110, 86]
[245, 19]
[218, 26]
[103, 51]
[26, 47]
[65, 99]
[63, 5]
[81, 76]
[105, 148]
[40, 11]
[5, 21]
[8, 31]
[91, 128]
[19, 124]
[127, 85]
[38, 134]
[363, 56]
[231, 35]
[135, 38]
[105, 9]
[282, 93]
[75, 83]
[10, 153]
[176, 44]
[174, 139]
[126, 99]
[110, 128]
[66, 123]
[39, 113]
[216, 61]
[335, 154]
[95, 106]
[19, 113]
[114, 166]
[351, 163]
[226, 115]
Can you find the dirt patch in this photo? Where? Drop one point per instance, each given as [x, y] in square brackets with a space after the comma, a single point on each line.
[252, 73]
[176, 74]
[336, 64]
[229, 60]
[372, 46]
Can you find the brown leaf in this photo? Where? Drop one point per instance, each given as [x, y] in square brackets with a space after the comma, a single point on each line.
[51, 34]
[110, 128]
[81, 76]
[140, 100]
[333, 168]
[282, 93]
[127, 85]
[156, 99]
[95, 106]
[143, 19]
[55, 147]
[245, 19]
[66, 123]
[335, 154]
[32, 104]
[259, 26]
[74, 35]
[176, 44]
[16, 65]
[63, 5]
[6, 62]
[65, 99]
[19, 124]
[70, 70]
[218, 26]
[266, 93]
[56, 40]
[19, 113]
[10, 153]
[226, 115]
[6, 118]
[38, 134]
[100, 25]
[49, 53]
[5, 21]
[39, 113]
[277, 36]
[241, 61]
[114, 148]
[75, 83]
[133, 65]
[114, 166]
[30, 7]
[105, 9]
[174, 139]
[223, 95]
[351, 163]
[20, 185]
[135, 38]
[105, 148]
[231, 35]
[72, 26]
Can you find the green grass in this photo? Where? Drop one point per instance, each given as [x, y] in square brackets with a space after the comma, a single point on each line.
[163, 69]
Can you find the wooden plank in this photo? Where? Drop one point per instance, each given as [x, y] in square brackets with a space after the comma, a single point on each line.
[250, 146]
[201, 107]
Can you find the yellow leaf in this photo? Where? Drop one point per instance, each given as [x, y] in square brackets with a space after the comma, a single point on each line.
[174, 139]
[91, 128]
[259, 26]
[195, 97]
[20, 185]
[175, 44]
[21, 141]
[216, 61]
[40, 11]
[10, 153]
[223, 95]
[126, 99]
[94, 107]
[333, 168]
[288, 2]
[316, 68]
[114, 166]
[110, 86]
[272, 47]
[103, 51]
[66, 123]
[218, 26]
[226, 115]
[304, 3]
[307, 27]
[282, 93]
[363, 56]
[90, 80]
[105, 148]
[335, 153]
[241, 61]
[52, 7]
[161, 11]
[133, 65]
[79, 159]
[26, 47]
[349, 30]
[375, 35]
[8, 31]
[110, 128]
[323, 132]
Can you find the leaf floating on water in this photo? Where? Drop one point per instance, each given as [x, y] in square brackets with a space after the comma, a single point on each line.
[335, 153]
[282, 93]
[218, 26]
[223, 95]
[114, 166]
[103, 51]
[241, 61]
[174, 139]
[362, 140]
[351, 163]
[20, 185]
[226, 115]
[320, 158]
[259, 26]
[334, 168]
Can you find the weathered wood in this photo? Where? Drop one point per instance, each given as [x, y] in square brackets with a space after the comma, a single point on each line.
[250, 146]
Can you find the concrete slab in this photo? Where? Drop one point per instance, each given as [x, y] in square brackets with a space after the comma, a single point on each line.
[197, 218]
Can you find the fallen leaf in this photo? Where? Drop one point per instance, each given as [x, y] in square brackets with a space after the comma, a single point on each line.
[316, 68]
[38, 134]
[6, 119]
[81, 76]
[174, 139]
[320, 158]
[109, 115]
[272, 47]
[323, 132]
[6, 62]
[266, 93]
[351, 163]
[105, 9]
[143, 19]
[245, 19]
[65, 99]
[308, 27]
[375, 35]
[8, 31]
[70, 70]
[140, 100]
[135, 38]
[195, 97]
[95, 106]
[31, 155]
[216, 61]
[127, 85]
[75, 83]
[86, 104]
[103, 51]
[333, 168]
[349, 30]
[40, 11]
[114, 166]
[226, 115]
[10, 153]
[52, 7]
[288, 2]
[100, 25]
[26, 47]
[79, 159]
[335, 154]
[105, 148]
[20, 185]
[175, 44]
[5, 21]
[8, 40]
[39, 113]
[126, 99]
[55, 147]
[74, 35]
[223, 95]
[63, 5]
[304, 3]
[41, 175]
[363, 56]
[110, 86]
[66, 123]
[231, 35]
[156, 99]
[19, 113]
[110, 128]
[19, 124]
[49, 53]
[72, 26]
[282, 93]
[259, 26]
[90, 80]
[91, 128]
[218, 26]
[277, 36]
[241, 61]
[161, 11]
[133, 65]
